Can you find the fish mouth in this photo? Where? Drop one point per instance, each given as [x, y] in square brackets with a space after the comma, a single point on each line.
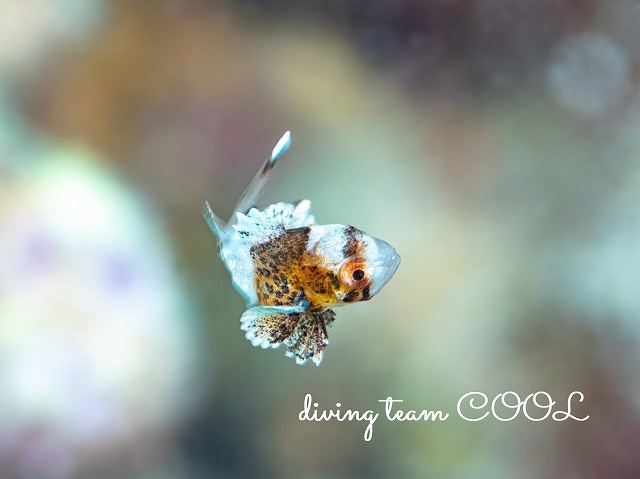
[385, 263]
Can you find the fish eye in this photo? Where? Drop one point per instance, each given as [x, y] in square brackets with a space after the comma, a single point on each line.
[355, 274]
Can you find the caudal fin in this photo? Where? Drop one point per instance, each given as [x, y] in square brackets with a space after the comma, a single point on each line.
[215, 223]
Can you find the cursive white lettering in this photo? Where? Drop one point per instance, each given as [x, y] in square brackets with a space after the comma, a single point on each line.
[306, 414]
[410, 415]
[511, 400]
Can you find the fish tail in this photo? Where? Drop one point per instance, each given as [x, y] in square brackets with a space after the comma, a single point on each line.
[250, 195]
[215, 223]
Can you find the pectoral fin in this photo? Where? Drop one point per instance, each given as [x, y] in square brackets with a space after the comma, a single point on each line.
[310, 336]
[269, 326]
[304, 332]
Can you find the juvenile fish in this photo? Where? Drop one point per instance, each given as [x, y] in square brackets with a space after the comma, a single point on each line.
[293, 271]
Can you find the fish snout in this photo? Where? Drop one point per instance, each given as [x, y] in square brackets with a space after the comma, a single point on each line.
[385, 261]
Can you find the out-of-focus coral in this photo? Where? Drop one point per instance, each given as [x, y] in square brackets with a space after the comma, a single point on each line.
[31, 29]
[96, 336]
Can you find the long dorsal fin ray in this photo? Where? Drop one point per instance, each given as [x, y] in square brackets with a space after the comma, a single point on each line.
[222, 230]
[250, 195]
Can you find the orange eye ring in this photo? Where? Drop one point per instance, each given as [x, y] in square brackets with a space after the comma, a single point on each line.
[355, 274]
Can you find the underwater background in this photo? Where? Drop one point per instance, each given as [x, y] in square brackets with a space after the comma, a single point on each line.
[494, 144]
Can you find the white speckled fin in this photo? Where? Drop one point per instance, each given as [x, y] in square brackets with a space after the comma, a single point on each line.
[310, 336]
[304, 332]
[270, 326]
[258, 226]
[250, 195]
[293, 215]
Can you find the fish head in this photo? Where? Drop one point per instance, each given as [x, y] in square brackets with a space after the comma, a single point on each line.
[358, 264]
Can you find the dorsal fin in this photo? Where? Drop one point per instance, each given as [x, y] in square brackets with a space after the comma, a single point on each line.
[250, 195]
[258, 226]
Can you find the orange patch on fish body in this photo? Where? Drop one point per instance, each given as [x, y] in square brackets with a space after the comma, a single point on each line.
[287, 273]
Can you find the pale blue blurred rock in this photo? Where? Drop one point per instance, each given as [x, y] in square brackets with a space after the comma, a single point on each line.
[589, 74]
[96, 329]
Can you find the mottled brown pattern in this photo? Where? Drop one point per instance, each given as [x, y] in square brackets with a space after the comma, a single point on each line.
[275, 328]
[286, 273]
[365, 293]
[310, 336]
[351, 246]
[352, 296]
[268, 166]
[277, 280]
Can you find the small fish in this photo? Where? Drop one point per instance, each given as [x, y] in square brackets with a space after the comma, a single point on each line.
[292, 271]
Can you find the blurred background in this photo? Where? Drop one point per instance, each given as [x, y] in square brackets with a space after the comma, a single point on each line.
[495, 144]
